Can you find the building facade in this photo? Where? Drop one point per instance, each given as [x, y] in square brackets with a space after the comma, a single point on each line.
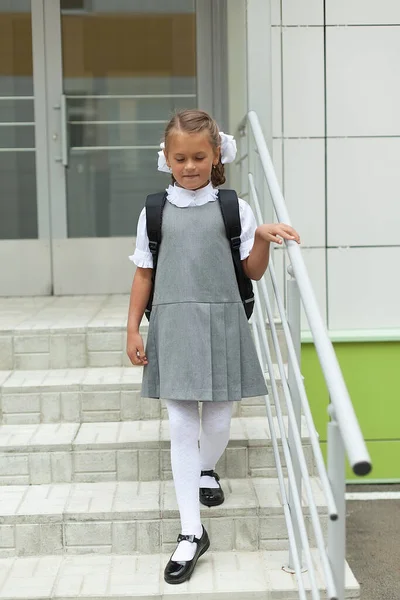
[86, 87]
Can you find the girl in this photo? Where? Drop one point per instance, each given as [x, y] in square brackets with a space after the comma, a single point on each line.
[199, 344]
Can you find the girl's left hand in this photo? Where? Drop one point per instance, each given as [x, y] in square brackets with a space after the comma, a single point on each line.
[270, 232]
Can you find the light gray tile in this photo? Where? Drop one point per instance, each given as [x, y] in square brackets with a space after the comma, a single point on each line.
[84, 550]
[22, 419]
[91, 461]
[128, 465]
[104, 341]
[88, 534]
[101, 416]
[148, 536]
[21, 403]
[67, 350]
[51, 407]
[222, 534]
[28, 362]
[258, 457]
[51, 538]
[27, 539]
[105, 359]
[7, 536]
[13, 464]
[170, 529]
[150, 407]
[166, 461]
[61, 467]
[149, 465]
[246, 533]
[236, 462]
[70, 406]
[100, 400]
[131, 407]
[6, 352]
[272, 527]
[40, 468]
[30, 344]
[94, 477]
[124, 538]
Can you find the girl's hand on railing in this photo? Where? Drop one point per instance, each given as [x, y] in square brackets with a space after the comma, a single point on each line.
[270, 232]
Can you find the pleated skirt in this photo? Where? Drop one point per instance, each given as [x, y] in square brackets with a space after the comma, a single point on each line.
[201, 351]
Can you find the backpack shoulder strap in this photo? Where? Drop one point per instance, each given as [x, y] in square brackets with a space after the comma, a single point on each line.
[154, 208]
[229, 204]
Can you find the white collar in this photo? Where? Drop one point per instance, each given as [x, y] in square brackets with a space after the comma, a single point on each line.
[183, 198]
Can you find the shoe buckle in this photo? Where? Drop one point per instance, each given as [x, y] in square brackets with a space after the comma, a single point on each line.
[188, 538]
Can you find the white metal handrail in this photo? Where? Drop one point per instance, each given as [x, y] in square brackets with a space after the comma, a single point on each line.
[291, 474]
[296, 491]
[286, 509]
[343, 430]
[352, 437]
[332, 510]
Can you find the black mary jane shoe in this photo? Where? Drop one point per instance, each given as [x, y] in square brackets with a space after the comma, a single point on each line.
[211, 496]
[180, 571]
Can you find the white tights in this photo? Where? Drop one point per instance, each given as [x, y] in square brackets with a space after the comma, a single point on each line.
[188, 459]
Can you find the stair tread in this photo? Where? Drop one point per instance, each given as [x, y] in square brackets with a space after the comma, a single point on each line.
[65, 313]
[84, 378]
[108, 576]
[74, 379]
[62, 312]
[137, 500]
[250, 431]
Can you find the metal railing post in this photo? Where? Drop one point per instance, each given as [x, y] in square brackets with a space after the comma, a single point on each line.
[294, 320]
[337, 528]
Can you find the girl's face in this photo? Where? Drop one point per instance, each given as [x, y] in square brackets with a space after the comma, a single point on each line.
[191, 158]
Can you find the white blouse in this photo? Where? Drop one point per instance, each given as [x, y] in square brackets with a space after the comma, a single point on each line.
[183, 198]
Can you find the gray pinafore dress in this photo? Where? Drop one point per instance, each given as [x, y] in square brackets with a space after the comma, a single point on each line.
[199, 344]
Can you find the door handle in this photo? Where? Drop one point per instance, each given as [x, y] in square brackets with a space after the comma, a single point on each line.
[62, 107]
[64, 130]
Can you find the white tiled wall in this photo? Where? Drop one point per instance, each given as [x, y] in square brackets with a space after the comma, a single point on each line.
[306, 12]
[303, 82]
[276, 76]
[363, 83]
[316, 267]
[363, 288]
[337, 149]
[304, 168]
[362, 12]
[363, 191]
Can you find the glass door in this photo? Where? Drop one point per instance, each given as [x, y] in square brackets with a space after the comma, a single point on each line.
[25, 261]
[86, 87]
[124, 68]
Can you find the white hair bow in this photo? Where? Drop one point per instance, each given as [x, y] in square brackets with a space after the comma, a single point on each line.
[228, 152]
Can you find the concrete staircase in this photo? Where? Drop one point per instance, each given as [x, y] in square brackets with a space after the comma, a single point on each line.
[87, 505]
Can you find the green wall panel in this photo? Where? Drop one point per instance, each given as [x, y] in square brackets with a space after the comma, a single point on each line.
[372, 375]
[385, 456]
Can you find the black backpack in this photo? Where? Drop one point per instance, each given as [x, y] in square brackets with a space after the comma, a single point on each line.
[229, 204]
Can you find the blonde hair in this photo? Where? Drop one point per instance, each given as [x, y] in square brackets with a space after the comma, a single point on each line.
[197, 121]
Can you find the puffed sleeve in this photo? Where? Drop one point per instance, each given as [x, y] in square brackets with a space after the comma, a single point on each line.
[249, 226]
[142, 256]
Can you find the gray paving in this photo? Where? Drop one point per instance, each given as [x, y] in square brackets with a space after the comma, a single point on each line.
[373, 543]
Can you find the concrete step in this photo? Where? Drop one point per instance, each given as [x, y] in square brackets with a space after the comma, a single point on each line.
[218, 576]
[138, 517]
[92, 395]
[64, 332]
[126, 451]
